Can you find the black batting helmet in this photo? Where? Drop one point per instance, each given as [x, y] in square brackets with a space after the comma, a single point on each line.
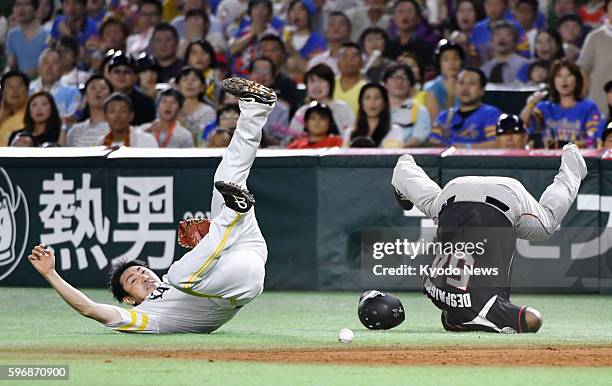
[510, 124]
[380, 311]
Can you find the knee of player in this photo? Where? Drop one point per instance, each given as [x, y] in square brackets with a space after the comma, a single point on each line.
[533, 319]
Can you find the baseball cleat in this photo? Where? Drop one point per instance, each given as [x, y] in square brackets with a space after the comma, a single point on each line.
[236, 198]
[249, 91]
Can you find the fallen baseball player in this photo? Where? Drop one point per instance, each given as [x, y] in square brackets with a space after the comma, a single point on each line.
[225, 269]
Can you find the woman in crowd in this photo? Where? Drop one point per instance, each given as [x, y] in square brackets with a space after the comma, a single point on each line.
[373, 41]
[320, 83]
[467, 14]
[200, 55]
[374, 119]
[449, 58]
[548, 48]
[564, 116]
[41, 119]
[301, 41]
[227, 119]
[87, 132]
[195, 114]
[425, 98]
[320, 129]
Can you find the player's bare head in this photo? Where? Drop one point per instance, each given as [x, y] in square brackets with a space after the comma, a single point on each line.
[132, 281]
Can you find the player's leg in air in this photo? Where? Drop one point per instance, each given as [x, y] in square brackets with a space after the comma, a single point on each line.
[229, 261]
[500, 210]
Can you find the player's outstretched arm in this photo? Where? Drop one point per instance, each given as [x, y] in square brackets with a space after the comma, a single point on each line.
[43, 261]
[412, 181]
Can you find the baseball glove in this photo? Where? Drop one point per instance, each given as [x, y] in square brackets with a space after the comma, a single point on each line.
[191, 231]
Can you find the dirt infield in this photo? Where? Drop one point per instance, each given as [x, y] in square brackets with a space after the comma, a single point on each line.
[545, 356]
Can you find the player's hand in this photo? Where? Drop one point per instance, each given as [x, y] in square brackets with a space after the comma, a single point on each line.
[42, 259]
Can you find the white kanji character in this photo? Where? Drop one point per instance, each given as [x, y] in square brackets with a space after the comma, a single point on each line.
[145, 201]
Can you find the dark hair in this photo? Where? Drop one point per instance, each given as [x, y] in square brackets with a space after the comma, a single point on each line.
[156, 3]
[173, 93]
[533, 4]
[84, 2]
[118, 97]
[372, 31]
[97, 77]
[293, 3]
[166, 27]
[482, 77]
[538, 63]
[419, 63]
[503, 24]
[384, 122]
[556, 37]
[267, 3]
[110, 20]
[226, 108]
[54, 122]
[324, 72]
[351, 45]
[569, 17]
[115, 272]
[206, 46]
[274, 38]
[35, 4]
[71, 43]
[417, 6]
[478, 9]
[574, 69]
[399, 67]
[50, 14]
[342, 15]
[10, 74]
[608, 86]
[264, 59]
[324, 111]
[198, 12]
[188, 70]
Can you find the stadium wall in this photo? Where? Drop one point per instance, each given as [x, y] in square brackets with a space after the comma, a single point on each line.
[96, 205]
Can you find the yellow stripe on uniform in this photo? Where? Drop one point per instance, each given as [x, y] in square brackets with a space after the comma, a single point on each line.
[145, 322]
[210, 258]
[132, 323]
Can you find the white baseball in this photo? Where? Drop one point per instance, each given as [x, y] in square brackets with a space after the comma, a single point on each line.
[345, 335]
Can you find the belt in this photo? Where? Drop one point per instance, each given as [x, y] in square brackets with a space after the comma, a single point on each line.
[489, 200]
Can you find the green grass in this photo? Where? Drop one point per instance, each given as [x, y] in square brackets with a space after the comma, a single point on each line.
[37, 327]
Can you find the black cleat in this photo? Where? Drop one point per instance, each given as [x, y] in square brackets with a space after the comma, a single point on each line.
[236, 198]
[249, 91]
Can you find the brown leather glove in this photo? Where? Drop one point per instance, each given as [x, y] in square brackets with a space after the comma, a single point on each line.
[191, 231]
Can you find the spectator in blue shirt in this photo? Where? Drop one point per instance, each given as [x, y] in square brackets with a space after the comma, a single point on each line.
[27, 39]
[449, 59]
[565, 116]
[482, 32]
[473, 123]
[67, 98]
[505, 65]
[74, 22]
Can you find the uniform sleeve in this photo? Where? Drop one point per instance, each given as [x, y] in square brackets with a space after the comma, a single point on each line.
[422, 126]
[133, 321]
[490, 125]
[593, 120]
[437, 130]
[522, 48]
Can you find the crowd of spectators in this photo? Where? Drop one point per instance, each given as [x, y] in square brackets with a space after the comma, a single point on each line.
[352, 73]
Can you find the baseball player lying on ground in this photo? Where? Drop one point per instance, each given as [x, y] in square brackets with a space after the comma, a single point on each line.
[496, 209]
[225, 269]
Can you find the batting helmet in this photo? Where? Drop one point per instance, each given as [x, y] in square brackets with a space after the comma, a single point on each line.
[509, 124]
[380, 311]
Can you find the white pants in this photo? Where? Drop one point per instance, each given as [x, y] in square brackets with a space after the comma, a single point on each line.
[229, 261]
